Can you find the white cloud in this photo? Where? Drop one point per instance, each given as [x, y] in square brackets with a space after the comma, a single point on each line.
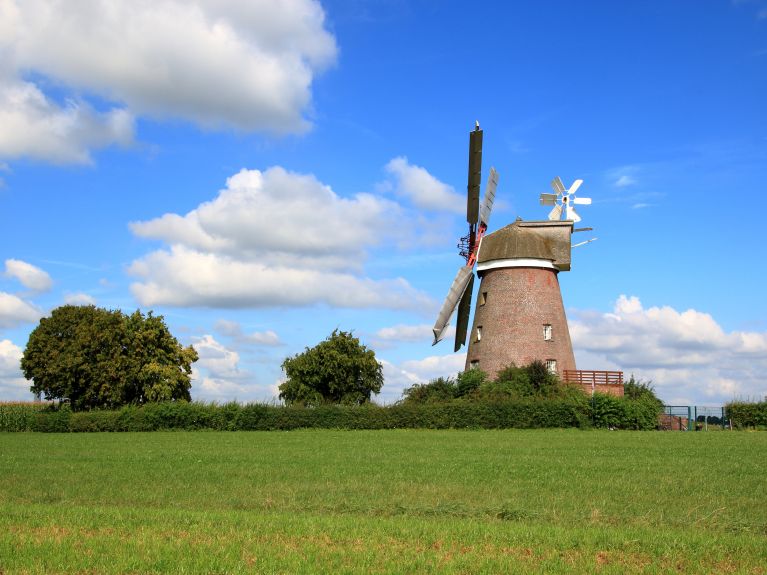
[402, 332]
[269, 239]
[623, 176]
[15, 311]
[215, 358]
[234, 330]
[242, 65]
[398, 377]
[624, 181]
[37, 127]
[686, 354]
[423, 189]
[280, 217]
[13, 386]
[31, 277]
[217, 375]
[436, 366]
[79, 299]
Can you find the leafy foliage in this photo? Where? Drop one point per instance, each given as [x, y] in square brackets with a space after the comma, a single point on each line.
[531, 412]
[469, 381]
[437, 390]
[747, 414]
[638, 389]
[93, 357]
[337, 370]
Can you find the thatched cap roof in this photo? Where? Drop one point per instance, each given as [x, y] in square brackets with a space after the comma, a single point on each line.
[546, 240]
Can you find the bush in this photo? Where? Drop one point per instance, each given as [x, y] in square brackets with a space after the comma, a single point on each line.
[747, 414]
[573, 410]
[437, 390]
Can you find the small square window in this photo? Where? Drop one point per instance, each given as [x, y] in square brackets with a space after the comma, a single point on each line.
[547, 332]
[551, 365]
[482, 298]
[474, 364]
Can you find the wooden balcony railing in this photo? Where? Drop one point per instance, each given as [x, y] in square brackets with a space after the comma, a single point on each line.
[588, 377]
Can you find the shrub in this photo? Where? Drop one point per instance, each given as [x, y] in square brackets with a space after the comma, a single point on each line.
[747, 414]
[437, 390]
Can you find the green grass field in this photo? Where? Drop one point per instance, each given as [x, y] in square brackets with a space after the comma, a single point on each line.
[548, 501]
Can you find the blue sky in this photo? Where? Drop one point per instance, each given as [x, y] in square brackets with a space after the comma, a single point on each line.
[262, 173]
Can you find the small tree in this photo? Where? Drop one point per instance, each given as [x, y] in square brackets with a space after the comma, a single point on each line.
[93, 357]
[337, 370]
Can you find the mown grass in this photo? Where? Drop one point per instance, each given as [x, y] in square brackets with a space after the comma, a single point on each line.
[554, 501]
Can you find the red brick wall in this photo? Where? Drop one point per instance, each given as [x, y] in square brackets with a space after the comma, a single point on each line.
[519, 302]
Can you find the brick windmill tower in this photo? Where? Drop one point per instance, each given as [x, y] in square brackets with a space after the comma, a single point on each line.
[520, 316]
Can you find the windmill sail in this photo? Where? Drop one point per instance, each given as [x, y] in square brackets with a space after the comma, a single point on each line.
[454, 295]
[464, 310]
[489, 198]
[475, 175]
[572, 215]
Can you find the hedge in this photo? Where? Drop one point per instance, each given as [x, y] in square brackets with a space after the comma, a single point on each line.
[581, 412]
[744, 414]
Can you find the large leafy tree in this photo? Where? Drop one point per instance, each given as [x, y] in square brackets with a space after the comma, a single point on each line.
[94, 357]
[337, 370]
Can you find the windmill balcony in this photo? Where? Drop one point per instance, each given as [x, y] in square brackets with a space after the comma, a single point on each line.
[610, 382]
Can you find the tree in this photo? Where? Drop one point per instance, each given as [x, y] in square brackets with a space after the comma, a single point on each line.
[337, 370]
[93, 357]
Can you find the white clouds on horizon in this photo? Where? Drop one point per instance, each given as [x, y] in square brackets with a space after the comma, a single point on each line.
[13, 386]
[244, 66]
[271, 239]
[687, 355]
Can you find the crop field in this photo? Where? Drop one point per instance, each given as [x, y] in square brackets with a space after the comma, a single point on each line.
[318, 501]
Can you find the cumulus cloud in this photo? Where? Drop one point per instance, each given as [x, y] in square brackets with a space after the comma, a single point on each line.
[404, 333]
[31, 277]
[15, 311]
[271, 238]
[217, 374]
[424, 190]
[242, 65]
[13, 386]
[79, 299]
[398, 377]
[687, 354]
[234, 330]
[35, 126]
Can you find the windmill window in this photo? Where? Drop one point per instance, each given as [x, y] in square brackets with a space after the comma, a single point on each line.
[551, 365]
[482, 298]
[479, 333]
[547, 332]
[474, 364]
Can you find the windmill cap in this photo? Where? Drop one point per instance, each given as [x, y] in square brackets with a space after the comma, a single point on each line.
[541, 240]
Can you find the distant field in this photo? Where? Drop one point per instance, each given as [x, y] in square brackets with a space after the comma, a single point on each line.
[553, 501]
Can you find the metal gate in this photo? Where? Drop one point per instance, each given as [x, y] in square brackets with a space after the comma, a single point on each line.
[693, 417]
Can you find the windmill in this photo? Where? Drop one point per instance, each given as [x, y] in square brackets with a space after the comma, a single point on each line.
[520, 316]
[460, 293]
